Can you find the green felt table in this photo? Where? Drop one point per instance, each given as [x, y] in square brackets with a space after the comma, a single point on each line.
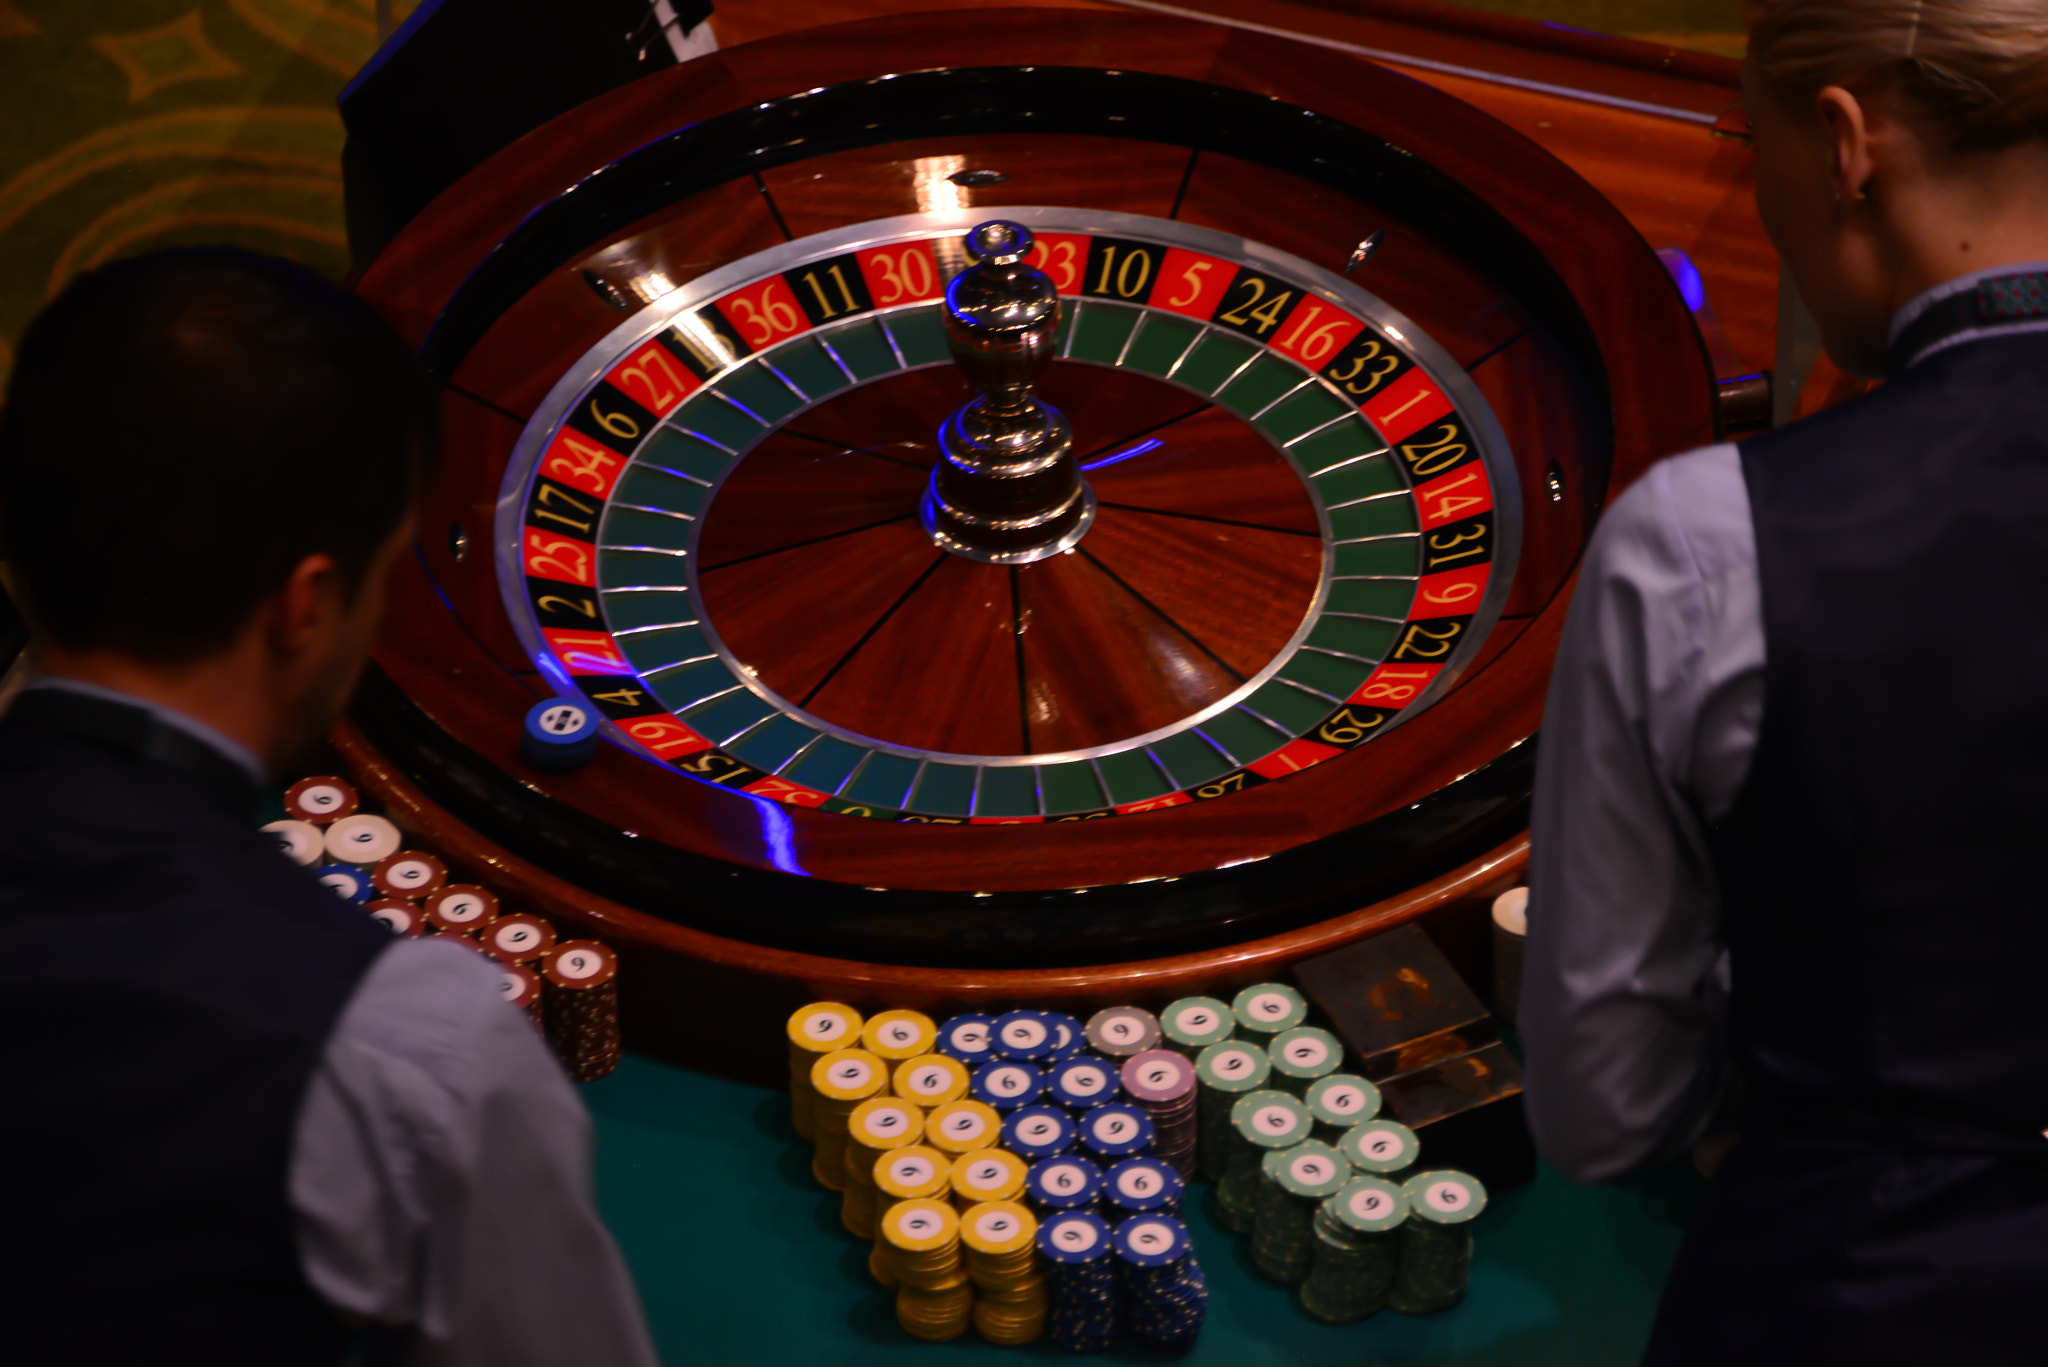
[741, 1258]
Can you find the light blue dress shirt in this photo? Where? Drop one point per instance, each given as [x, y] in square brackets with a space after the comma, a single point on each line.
[1654, 709]
[440, 1170]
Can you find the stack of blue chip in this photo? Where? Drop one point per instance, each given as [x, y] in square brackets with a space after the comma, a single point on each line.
[1081, 1083]
[1116, 1130]
[1036, 1132]
[1143, 1186]
[968, 1038]
[1168, 1295]
[1066, 1183]
[1006, 1086]
[1026, 1036]
[349, 884]
[1067, 1039]
[1087, 1305]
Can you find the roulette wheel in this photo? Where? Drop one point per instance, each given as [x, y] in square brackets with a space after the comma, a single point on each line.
[1037, 503]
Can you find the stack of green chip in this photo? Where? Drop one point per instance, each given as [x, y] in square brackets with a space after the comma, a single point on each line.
[1356, 1251]
[1265, 1009]
[1339, 1102]
[1435, 1265]
[1379, 1146]
[1192, 1024]
[1293, 1183]
[1303, 1054]
[1259, 1121]
[1223, 1073]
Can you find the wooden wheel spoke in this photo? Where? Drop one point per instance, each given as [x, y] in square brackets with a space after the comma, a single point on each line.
[873, 627]
[1194, 640]
[807, 541]
[1204, 517]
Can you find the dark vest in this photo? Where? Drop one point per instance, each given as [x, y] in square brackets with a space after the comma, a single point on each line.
[1880, 887]
[167, 984]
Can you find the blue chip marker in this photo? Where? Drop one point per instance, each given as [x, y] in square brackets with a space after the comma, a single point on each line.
[1142, 1184]
[967, 1038]
[1080, 1083]
[1006, 1086]
[1037, 1132]
[1067, 1038]
[1076, 1238]
[1116, 1130]
[348, 883]
[1064, 1183]
[1151, 1240]
[561, 734]
[1023, 1035]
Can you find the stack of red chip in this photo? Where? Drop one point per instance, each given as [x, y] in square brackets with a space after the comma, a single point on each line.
[1162, 1083]
[583, 1007]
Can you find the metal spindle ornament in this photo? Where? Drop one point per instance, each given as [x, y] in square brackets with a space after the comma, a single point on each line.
[1008, 489]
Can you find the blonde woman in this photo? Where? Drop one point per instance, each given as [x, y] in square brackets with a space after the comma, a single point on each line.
[1794, 789]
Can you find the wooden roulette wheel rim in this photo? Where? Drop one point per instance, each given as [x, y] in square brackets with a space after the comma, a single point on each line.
[1587, 355]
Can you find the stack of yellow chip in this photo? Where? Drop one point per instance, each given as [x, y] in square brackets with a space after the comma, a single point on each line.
[899, 1035]
[906, 1174]
[1002, 1241]
[931, 1079]
[877, 1125]
[934, 1299]
[963, 1126]
[988, 1175]
[816, 1029]
[842, 1079]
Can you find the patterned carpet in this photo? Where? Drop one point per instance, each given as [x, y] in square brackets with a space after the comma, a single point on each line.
[133, 124]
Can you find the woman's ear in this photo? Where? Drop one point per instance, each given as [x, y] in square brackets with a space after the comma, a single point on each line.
[1846, 126]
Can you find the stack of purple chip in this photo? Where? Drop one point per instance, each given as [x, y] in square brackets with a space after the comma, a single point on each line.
[1162, 1082]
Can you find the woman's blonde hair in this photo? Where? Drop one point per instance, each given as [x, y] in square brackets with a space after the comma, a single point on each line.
[1976, 71]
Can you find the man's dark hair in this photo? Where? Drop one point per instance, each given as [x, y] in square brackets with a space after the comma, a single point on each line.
[182, 429]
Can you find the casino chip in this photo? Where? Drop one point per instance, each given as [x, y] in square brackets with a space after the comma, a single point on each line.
[1169, 1296]
[898, 1035]
[1069, 1036]
[1120, 1031]
[583, 1007]
[1007, 1086]
[398, 916]
[1080, 1083]
[1303, 1054]
[1162, 1083]
[1223, 1072]
[1271, 1120]
[320, 800]
[344, 882]
[816, 1029]
[1023, 1035]
[1116, 1130]
[989, 1175]
[1435, 1265]
[362, 839]
[461, 907]
[520, 986]
[931, 1079]
[518, 938]
[1068, 1182]
[408, 873]
[1340, 1101]
[560, 734]
[1268, 1008]
[963, 1126]
[1356, 1251]
[300, 841]
[1037, 1132]
[967, 1038]
[1142, 1186]
[1192, 1024]
[1380, 1146]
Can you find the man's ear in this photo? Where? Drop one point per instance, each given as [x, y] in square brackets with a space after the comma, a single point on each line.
[1845, 124]
[305, 608]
